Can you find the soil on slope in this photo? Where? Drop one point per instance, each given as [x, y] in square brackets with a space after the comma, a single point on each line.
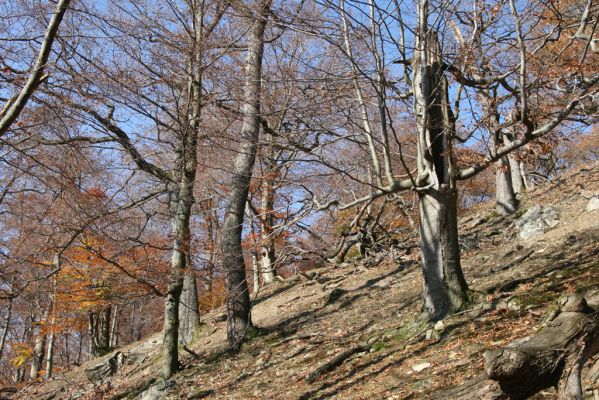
[309, 319]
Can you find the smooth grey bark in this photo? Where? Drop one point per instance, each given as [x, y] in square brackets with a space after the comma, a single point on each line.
[445, 289]
[238, 300]
[189, 310]
[505, 197]
[14, 106]
[518, 177]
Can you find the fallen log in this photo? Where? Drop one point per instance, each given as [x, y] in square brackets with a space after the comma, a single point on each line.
[553, 357]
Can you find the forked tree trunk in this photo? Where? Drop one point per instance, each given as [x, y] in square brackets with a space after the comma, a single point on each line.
[238, 300]
[189, 310]
[445, 289]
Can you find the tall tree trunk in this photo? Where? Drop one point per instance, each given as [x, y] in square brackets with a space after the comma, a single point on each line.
[189, 310]
[238, 300]
[181, 201]
[445, 289]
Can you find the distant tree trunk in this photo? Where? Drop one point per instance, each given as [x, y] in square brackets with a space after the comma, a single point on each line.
[50, 354]
[38, 355]
[6, 326]
[66, 347]
[238, 300]
[517, 169]
[104, 331]
[80, 348]
[189, 311]
[266, 217]
[51, 336]
[445, 289]
[113, 328]
[256, 270]
[91, 331]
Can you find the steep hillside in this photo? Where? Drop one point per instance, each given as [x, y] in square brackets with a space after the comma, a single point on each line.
[369, 312]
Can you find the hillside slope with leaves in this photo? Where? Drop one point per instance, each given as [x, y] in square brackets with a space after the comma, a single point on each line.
[366, 314]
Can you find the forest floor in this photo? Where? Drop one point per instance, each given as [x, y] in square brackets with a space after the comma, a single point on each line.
[375, 308]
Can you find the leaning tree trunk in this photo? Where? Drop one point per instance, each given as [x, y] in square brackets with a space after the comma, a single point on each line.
[238, 300]
[189, 310]
[445, 289]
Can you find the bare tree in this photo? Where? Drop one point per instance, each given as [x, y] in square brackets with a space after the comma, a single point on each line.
[238, 300]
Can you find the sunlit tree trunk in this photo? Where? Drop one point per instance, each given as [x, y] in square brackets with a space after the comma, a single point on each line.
[189, 311]
[238, 300]
[445, 289]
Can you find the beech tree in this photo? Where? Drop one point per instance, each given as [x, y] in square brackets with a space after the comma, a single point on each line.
[238, 300]
[428, 70]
